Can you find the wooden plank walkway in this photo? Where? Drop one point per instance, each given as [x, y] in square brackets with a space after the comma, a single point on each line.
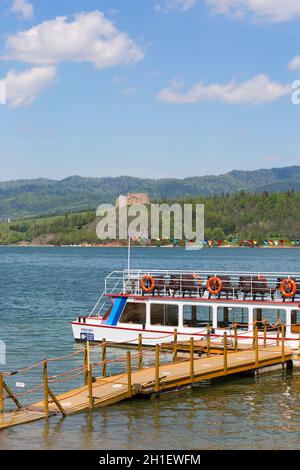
[114, 389]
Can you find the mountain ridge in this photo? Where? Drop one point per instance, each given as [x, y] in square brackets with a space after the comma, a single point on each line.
[29, 197]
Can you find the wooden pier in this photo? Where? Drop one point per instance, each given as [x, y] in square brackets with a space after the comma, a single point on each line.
[144, 381]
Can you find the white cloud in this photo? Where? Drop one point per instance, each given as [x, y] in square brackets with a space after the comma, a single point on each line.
[129, 91]
[87, 37]
[24, 8]
[257, 91]
[295, 63]
[274, 11]
[23, 88]
[169, 5]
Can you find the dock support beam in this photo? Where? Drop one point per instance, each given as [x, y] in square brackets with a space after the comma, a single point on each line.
[104, 357]
[12, 396]
[57, 402]
[282, 343]
[1, 394]
[85, 366]
[140, 351]
[225, 352]
[45, 378]
[156, 387]
[208, 341]
[129, 374]
[192, 358]
[235, 337]
[89, 376]
[256, 346]
[175, 346]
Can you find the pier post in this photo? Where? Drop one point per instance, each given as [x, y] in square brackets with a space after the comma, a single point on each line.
[85, 366]
[254, 326]
[225, 352]
[46, 393]
[192, 358]
[282, 343]
[1, 394]
[175, 346]
[104, 357]
[156, 387]
[256, 347]
[208, 342]
[265, 334]
[277, 340]
[89, 376]
[129, 374]
[235, 338]
[140, 351]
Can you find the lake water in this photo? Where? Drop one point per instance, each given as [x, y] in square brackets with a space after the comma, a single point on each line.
[43, 289]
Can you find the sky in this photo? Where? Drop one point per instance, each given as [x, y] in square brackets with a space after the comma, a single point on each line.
[147, 88]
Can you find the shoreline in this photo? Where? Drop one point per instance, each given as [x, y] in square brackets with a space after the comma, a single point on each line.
[149, 246]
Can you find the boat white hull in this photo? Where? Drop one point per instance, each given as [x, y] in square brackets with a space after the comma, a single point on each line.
[123, 334]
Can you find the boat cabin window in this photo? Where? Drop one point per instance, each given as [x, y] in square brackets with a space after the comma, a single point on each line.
[164, 314]
[230, 315]
[195, 316]
[274, 317]
[295, 321]
[134, 313]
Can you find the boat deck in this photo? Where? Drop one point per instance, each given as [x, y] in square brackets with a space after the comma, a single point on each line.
[151, 380]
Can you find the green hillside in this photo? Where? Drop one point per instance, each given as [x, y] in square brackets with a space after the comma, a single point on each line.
[240, 215]
[42, 196]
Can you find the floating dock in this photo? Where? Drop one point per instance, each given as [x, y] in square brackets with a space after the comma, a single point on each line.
[144, 381]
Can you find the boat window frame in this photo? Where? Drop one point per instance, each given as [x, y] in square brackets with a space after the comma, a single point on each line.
[210, 314]
[296, 328]
[283, 319]
[166, 304]
[133, 323]
[226, 324]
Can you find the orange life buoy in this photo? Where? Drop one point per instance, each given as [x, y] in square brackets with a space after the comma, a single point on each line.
[197, 278]
[288, 288]
[214, 285]
[147, 283]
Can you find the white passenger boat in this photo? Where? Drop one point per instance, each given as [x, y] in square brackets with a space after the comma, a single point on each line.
[155, 303]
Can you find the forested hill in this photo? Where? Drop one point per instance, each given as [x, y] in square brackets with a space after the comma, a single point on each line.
[233, 217]
[44, 196]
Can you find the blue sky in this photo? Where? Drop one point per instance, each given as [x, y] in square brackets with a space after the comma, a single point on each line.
[150, 88]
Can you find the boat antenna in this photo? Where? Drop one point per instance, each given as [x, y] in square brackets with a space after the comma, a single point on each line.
[128, 253]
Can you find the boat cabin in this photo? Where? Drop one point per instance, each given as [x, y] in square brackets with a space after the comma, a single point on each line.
[157, 302]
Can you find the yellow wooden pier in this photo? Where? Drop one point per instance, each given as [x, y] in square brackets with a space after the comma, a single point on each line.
[144, 381]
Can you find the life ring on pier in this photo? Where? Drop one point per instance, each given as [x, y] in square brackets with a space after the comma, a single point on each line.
[214, 285]
[147, 283]
[288, 288]
[197, 278]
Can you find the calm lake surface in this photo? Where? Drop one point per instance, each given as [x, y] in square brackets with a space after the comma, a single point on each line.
[43, 289]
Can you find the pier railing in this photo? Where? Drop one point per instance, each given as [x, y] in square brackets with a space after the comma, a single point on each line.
[266, 286]
[198, 344]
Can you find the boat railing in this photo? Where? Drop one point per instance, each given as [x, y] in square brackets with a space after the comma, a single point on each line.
[245, 286]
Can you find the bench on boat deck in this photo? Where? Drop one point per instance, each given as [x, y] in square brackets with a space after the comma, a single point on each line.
[227, 287]
[162, 285]
[256, 285]
[297, 281]
[186, 283]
